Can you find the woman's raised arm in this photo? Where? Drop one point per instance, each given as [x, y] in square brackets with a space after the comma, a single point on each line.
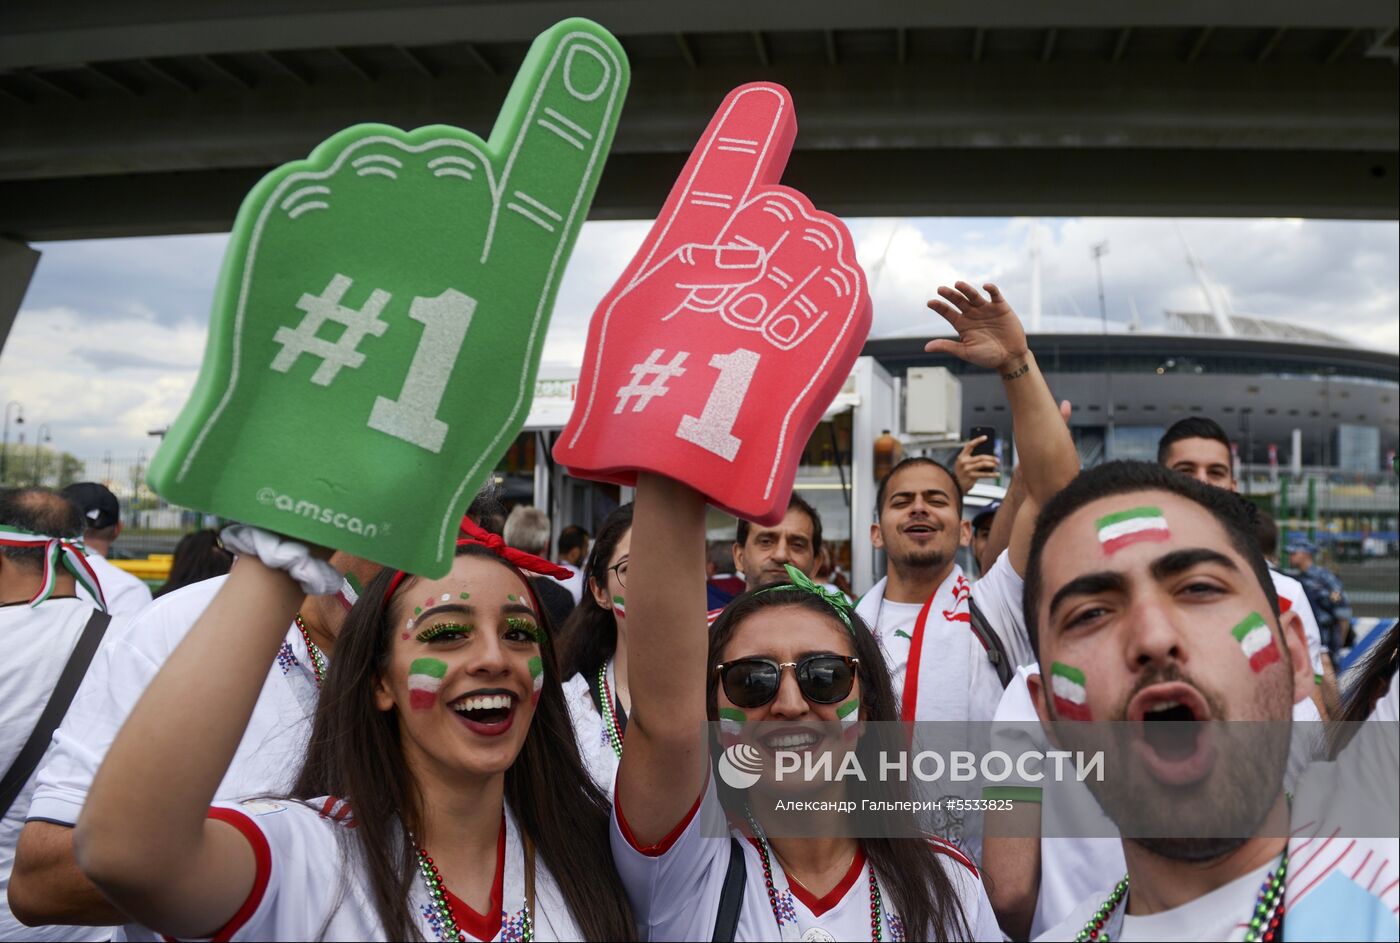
[143, 837]
[666, 759]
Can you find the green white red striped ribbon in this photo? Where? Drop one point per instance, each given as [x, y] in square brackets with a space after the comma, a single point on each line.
[57, 551]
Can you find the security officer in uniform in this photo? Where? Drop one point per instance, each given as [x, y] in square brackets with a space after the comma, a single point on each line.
[1329, 600]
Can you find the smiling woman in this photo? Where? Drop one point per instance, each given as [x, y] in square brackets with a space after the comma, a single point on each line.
[442, 794]
[787, 667]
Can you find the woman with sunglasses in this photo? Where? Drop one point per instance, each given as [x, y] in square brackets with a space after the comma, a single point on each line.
[442, 796]
[791, 662]
[593, 652]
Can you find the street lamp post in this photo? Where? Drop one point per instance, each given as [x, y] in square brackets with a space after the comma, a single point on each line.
[1098, 250]
[138, 475]
[5, 443]
[40, 437]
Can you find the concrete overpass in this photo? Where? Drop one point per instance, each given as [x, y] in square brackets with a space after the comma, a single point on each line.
[156, 116]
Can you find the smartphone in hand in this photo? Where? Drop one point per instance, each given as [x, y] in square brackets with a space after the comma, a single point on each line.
[988, 447]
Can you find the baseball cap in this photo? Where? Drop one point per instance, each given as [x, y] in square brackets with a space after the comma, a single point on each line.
[98, 505]
[986, 512]
[1302, 546]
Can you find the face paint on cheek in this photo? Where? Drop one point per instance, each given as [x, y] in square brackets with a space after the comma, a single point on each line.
[1067, 686]
[349, 592]
[1133, 526]
[536, 665]
[731, 725]
[619, 607]
[424, 678]
[1257, 642]
[849, 715]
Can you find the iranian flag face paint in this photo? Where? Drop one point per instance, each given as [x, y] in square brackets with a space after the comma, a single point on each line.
[849, 715]
[731, 724]
[537, 678]
[350, 590]
[424, 678]
[1135, 525]
[619, 607]
[1067, 686]
[1257, 642]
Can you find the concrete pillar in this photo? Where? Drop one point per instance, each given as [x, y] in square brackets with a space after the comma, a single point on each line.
[544, 468]
[17, 263]
[876, 409]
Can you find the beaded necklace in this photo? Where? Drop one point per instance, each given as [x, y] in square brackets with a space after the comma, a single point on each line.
[609, 712]
[876, 908]
[447, 923]
[318, 658]
[1264, 922]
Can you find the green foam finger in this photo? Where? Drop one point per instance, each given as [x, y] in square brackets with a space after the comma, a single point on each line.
[554, 131]
[380, 313]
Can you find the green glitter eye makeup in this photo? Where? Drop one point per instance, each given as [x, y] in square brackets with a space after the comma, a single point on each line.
[434, 632]
[528, 626]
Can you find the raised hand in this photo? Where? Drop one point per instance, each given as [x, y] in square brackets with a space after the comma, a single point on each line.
[716, 352]
[970, 469]
[989, 332]
[381, 311]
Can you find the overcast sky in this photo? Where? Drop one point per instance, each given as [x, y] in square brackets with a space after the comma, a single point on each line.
[109, 338]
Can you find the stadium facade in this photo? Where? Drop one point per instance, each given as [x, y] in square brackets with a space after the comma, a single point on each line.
[1315, 421]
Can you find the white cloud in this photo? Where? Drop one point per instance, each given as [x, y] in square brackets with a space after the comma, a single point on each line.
[97, 387]
[108, 344]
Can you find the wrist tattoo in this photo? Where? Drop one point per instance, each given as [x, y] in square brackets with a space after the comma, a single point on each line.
[1020, 371]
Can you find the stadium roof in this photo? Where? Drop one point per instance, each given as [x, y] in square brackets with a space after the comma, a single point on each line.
[1178, 323]
[1192, 322]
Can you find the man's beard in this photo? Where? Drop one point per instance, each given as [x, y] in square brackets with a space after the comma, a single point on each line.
[1198, 821]
[920, 559]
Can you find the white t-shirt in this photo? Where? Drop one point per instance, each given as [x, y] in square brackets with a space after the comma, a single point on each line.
[675, 887]
[268, 757]
[1071, 867]
[957, 680]
[37, 642]
[591, 731]
[125, 594]
[1213, 916]
[999, 592]
[954, 680]
[1337, 888]
[302, 872]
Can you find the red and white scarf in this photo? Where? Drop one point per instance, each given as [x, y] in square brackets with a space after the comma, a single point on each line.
[948, 603]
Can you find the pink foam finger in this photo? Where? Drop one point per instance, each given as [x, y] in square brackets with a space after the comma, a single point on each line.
[745, 147]
[719, 383]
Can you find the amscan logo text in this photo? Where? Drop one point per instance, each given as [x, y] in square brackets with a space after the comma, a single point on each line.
[313, 511]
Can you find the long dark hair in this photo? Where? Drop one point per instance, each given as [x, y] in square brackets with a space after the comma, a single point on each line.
[1368, 683]
[923, 894]
[589, 636]
[355, 754]
[198, 556]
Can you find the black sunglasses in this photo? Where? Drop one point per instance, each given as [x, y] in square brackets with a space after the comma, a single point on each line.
[753, 682]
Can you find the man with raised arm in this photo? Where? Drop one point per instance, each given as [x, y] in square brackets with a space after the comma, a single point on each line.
[944, 666]
[920, 610]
